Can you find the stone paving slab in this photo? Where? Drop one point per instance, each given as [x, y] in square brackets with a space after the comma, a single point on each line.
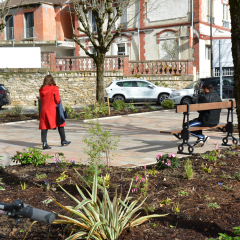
[140, 139]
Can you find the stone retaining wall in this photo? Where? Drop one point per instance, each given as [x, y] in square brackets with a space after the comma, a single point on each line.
[76, 88]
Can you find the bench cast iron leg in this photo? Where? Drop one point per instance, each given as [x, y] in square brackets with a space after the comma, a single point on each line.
[185, 137]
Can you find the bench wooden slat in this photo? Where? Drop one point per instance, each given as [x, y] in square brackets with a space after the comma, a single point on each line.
[191, 129]
[204, 106]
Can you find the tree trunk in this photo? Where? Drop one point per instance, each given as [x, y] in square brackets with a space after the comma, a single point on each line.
[235, 22]
[100, 78]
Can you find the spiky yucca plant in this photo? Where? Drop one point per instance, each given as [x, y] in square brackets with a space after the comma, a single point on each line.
[101, 219]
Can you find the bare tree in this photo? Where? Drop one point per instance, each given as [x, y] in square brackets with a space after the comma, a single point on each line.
[106, 14]
[170, 47]
[4, 10]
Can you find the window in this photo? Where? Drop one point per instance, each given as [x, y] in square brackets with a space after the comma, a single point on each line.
[129, 84]
[142, 84]
[9, 28]
[120, 84]
[121, 49]
[92, 21]
[93, 51]
[29, 25]
[208, 53]
[224, 11]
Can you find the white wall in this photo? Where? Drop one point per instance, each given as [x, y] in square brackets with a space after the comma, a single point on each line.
[204, 64]
[14, 57]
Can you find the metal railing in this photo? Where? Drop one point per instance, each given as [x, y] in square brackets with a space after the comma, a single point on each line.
[225, 24]
[30, 32]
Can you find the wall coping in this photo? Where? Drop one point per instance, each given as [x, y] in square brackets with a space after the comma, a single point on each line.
[25, 70]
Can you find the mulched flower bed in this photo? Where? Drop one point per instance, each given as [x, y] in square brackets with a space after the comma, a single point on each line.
[208, 204]
[8, 117]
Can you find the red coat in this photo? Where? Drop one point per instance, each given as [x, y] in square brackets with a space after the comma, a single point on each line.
[50, 97]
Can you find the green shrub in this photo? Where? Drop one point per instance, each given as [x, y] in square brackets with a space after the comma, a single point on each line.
[119, 105]
[17, 110]
[30, 156]
[156, 83]
[100, 108]
[70, 110]
[168, 103]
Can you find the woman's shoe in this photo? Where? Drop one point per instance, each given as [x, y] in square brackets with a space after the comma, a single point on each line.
[65, 142]
[45, 146]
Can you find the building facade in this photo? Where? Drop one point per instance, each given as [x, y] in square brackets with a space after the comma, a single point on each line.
[168, 30]
[43, 24]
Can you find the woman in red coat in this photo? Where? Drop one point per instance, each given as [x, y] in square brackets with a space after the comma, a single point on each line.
[49, 95]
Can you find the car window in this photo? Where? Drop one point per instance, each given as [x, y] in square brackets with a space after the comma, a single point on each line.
[120, 84]
[142, 84]
[227, 81]
[191, 85]
[129, 84]
[214, 82]
[2, 88]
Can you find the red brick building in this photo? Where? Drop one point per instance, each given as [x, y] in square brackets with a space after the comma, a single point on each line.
[43, 24]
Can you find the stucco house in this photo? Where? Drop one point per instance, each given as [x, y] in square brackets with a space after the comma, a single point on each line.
[45, 24]
[183, 23]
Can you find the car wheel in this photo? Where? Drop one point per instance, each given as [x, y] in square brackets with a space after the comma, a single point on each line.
[0, 107]
[118, 97]
[186, 100]
[162, 97]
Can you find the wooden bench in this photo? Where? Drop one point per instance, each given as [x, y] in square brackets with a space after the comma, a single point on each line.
[183, 133]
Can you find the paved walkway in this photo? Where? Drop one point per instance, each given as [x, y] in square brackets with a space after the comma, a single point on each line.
[140, 139]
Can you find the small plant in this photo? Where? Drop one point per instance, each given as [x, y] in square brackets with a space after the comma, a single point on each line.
[106, 180]
[87, 112]
[62, 177]
[176, 208]
[153, 171]
[100, 108]
[47, 186]
[78, 115]
[100, 143]
[164, 84]
[188, 169]
[17, 110]
[1, 188]
[141, 182]
[21, 231]
[100, 218]
[154, 108]
[168, 104]
[237, 176]
[135, 110]
[70, 110]
[154, 225]
[167, 161]
[23, 186]
[30, 156]
[224, 236]
[41, 176]
[47, 201]
[183, 193]
[231, 188]
[213, 205]
[62, 162]
[130, 106]
[119, 105]
[156, 83]
[166, 202]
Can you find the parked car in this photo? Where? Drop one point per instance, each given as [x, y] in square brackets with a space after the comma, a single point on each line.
[5, 94]
[227, 86]
[136, 90]
[183, 96]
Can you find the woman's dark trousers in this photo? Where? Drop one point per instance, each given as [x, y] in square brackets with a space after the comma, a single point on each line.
[60, 130]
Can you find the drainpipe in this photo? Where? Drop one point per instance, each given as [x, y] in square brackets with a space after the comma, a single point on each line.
[139, 30]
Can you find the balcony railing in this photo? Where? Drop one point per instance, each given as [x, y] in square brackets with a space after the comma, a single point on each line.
[225, 24]
[30, 32]
[9, 33]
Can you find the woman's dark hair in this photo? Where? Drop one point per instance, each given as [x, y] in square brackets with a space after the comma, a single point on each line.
[208, 86]
[48, 80]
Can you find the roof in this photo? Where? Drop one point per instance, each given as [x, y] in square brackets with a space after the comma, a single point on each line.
[15, 3]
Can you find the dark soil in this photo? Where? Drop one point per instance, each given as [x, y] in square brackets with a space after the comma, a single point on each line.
[8, 117]
[196, 218]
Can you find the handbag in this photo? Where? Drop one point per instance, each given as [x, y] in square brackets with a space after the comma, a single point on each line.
[66, 115]
[60, 114]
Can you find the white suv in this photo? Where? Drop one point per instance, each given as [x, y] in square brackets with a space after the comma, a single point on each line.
[136, 90]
